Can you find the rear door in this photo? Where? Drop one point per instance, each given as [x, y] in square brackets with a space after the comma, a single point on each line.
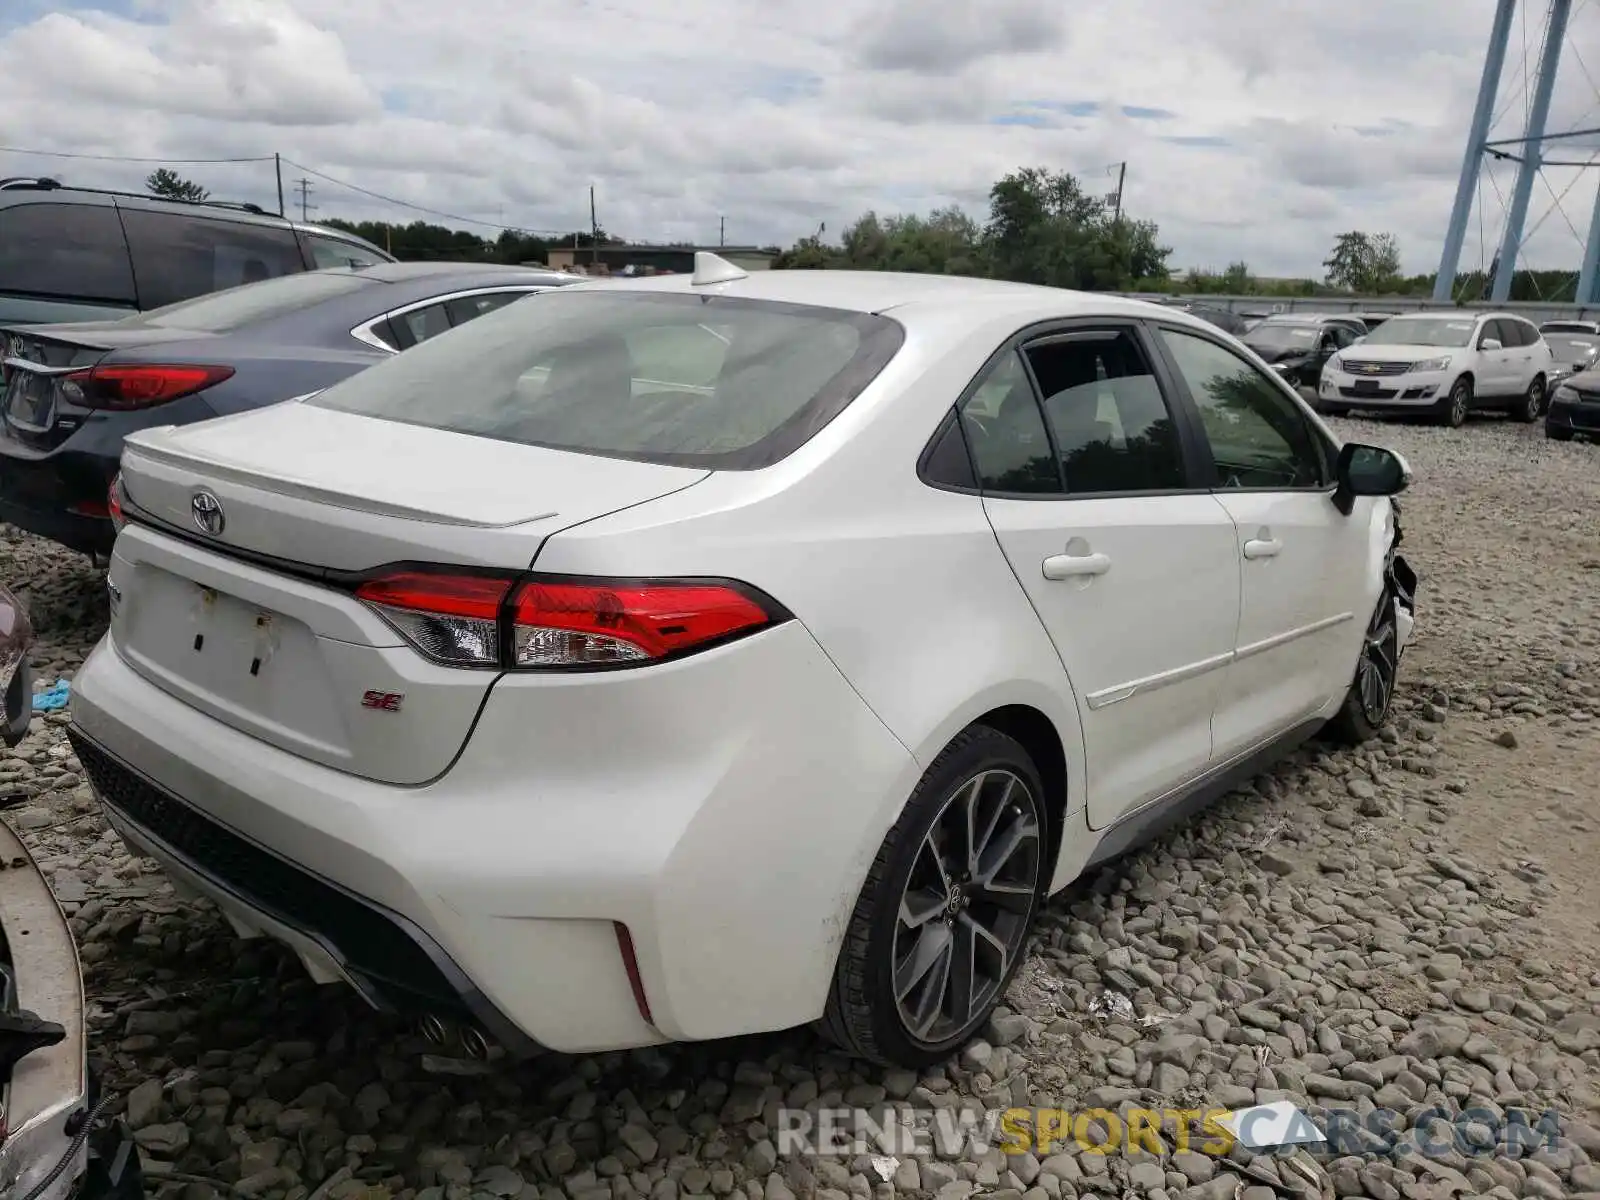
[1499, 369]
[1302, 565]
[1089, 484]
[63, 262]
[178, 255]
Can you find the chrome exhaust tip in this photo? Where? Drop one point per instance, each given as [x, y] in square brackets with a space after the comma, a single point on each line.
[476, 1044]
[434, 1030]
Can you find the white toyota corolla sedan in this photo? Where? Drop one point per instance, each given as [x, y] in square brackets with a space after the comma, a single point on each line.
[691, 656]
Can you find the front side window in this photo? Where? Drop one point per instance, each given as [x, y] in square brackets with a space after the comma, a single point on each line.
[1112, 428]
[707, 381]
[1259, 437]
[178, 255]
[1005, 430]
[72, 251]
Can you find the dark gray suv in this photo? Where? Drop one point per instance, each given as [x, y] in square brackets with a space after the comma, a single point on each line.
[79, 254]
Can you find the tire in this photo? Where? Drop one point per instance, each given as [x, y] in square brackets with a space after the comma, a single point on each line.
[1531, 407]
[1358, 720]
[1557, 435]
[1453, 409]
[864, 1016]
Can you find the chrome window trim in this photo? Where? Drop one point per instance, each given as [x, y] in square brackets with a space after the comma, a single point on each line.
[363, 332]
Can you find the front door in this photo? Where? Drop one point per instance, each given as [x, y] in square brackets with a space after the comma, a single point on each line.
[1131, 570]
[1303, 565]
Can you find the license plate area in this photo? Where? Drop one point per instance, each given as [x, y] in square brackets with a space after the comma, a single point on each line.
[250, 667]
[30, 401]
[1366, 385]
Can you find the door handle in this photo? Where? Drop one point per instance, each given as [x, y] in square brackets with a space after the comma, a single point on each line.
[1262, 548]
[1075, 566]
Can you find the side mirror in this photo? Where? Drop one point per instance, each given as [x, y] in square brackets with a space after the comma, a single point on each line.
[1490, 344]
[1368, 471]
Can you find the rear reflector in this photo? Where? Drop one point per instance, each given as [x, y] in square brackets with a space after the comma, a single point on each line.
[122, 387]
[630, 963]
[545, 623]
[114, 503]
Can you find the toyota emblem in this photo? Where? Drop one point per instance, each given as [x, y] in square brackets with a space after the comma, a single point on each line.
[206, 510]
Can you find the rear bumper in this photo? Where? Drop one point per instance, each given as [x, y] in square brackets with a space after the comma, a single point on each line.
[49, 1145]
[724, 809]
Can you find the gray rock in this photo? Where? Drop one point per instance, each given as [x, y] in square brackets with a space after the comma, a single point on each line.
[144, 1104]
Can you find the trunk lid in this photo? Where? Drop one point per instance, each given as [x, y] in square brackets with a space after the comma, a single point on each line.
[37, 411]
[256, 625]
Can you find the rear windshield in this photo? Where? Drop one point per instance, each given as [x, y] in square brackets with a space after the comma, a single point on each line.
[701, 381]
[222, 312]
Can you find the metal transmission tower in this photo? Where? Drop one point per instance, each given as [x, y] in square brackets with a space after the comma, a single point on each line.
[1527, 151]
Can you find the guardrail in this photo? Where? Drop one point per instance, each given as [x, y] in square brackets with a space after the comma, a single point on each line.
[1535, 311]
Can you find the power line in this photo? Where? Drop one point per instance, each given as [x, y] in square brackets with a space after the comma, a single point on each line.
[432, 212]
[182, 162]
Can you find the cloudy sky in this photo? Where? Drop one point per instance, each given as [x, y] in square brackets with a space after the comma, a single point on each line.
[1252, 129]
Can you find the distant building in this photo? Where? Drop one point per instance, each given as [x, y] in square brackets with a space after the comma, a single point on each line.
[614, 260]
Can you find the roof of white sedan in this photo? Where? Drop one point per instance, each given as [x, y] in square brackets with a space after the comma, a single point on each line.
[881, 291]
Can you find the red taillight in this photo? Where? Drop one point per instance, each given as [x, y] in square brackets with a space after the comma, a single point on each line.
[452, 619]
[114, 503]
[125, 387]
[560, 623]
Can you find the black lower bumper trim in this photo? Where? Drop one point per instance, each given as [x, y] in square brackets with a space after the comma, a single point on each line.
[397, 965]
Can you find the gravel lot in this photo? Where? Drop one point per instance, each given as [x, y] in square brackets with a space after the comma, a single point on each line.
[1412, 925]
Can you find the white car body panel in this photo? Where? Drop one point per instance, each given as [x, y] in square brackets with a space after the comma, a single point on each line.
[724, 807]
[1145, 700]
[1307, 591]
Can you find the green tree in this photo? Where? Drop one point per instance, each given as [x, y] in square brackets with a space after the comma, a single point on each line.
[1237, 279]
[168, 183]
[1362, 262]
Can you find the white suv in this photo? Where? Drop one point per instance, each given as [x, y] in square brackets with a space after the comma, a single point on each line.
[1446, 362]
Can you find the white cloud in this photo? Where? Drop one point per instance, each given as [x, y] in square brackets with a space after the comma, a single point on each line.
[1252, 129]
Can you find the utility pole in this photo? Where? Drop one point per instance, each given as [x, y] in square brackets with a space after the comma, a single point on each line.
[1494, 61]
[277, 165]
[594, 229]
[722, 232]
[305, 198]
[1122, 175]
[1555, 36]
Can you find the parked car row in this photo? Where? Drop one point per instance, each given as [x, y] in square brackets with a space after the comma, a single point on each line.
[73, 391]
[75, 254]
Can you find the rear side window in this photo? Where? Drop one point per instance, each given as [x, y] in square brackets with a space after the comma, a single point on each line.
[693, 380]
[334, 252]
[74, 251]
[177, 256]
[1111, 424]
[420, 324]
[465, 308]
[237, 307]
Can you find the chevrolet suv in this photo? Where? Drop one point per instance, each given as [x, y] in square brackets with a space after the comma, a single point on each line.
[80, 254]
